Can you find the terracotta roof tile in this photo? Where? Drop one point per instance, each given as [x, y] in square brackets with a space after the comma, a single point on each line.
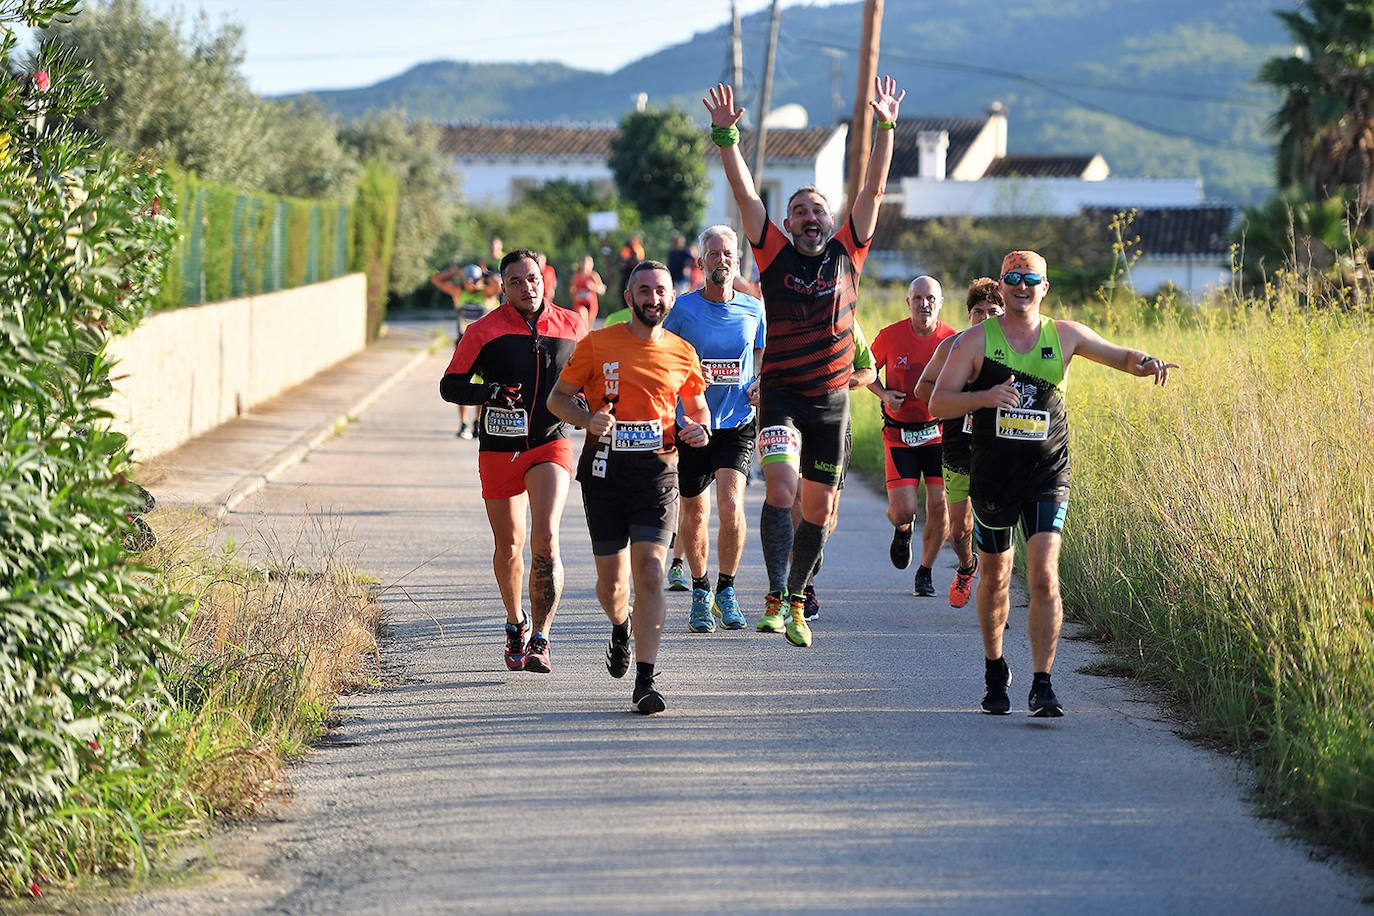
[566, 141]
[593, 141]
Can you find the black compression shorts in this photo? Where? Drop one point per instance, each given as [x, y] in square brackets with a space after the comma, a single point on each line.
[808, 429]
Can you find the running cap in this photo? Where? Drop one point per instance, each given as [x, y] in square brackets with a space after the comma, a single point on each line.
[472, 273]
[1024, 262]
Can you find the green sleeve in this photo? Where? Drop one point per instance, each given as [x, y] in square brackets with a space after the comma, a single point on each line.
[863, 356]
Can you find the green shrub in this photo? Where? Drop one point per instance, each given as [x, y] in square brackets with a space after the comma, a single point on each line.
[374, 235]
[85, 240]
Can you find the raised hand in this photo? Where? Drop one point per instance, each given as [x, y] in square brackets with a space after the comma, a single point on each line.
[886, 99]
[721, 105]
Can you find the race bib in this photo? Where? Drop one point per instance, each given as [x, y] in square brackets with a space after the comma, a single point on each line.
[723, 371]
[777, 441]
[637, 435]
[502, 422]
[968, 424]
[912, 438]
[1026, 425]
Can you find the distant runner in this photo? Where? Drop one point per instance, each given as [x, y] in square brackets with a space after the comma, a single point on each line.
[727, 329]
[984, 301]
[911, 435]
[524, 457]
[1015, 371]
[809, 277]
[634, 373]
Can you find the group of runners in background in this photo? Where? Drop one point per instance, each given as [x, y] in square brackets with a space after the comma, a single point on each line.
[682, 394]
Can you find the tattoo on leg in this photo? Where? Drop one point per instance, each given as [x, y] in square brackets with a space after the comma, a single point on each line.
[546, 584]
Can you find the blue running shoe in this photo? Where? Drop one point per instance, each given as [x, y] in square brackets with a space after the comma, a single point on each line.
[677, 578]
[727, 609]
[700, 620]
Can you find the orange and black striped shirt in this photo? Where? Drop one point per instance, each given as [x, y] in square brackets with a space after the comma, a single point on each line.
[809, 301]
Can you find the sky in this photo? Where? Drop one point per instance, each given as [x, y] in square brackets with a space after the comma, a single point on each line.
[296, 45]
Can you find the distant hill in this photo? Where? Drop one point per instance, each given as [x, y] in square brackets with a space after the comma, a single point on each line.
[1162, 88]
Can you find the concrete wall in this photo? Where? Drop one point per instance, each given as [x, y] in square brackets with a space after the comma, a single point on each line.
[183, 372]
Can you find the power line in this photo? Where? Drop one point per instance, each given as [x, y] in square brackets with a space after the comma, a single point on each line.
[1085, 103]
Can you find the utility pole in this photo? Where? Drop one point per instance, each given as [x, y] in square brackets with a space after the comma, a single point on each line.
[736, 48]
[861, 128]
[766, 99]
[836, 100]
[732, 216]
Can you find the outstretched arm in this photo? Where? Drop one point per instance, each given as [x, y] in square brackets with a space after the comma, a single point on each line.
[1081, 339]
[724, 115]
[863, 216]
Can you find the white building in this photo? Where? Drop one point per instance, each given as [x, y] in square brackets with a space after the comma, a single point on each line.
[498, 163]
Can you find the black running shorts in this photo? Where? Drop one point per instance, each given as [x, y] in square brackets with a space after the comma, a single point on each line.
[805, 429]
[641, 505]
[729, 449]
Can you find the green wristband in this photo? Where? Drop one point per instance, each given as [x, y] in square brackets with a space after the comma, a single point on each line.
[886, 125]
[724, 136]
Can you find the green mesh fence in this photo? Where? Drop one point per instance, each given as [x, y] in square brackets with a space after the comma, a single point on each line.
[272, 243]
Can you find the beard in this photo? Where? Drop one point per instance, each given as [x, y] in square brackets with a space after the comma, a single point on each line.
[654, 320]
[810, 244]
[722, 276]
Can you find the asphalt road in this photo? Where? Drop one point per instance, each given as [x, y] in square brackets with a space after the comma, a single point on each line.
[854, 775]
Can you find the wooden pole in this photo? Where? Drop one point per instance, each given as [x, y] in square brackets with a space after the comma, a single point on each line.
[861, 128]
[765, 99]
[732, 216]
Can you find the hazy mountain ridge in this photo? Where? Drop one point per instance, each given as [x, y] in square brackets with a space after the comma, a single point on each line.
[1179, 71]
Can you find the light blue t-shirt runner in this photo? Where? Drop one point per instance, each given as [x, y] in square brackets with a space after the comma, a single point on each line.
[725, 335]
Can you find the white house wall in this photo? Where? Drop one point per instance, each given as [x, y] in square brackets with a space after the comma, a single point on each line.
[490, 181]
[926, 198]
[1198, 277]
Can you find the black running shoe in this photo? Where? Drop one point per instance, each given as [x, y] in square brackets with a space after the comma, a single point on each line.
[995, 699]
[537, 656]
[646, 699]
[813, 607]
[923, 587]
[618, 654]
[515, 644]
[899, 551]
[1043, 703]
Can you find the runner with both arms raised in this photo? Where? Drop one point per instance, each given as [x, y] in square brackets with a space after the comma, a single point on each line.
[911, 436]
[524, 458]
[809, 283]
[863, 374]
[635, 373]
[727, 329]
[984, 301]
[1011, 374]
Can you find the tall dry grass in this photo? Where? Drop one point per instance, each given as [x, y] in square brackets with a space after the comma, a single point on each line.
[1222, 532]
[269, 642]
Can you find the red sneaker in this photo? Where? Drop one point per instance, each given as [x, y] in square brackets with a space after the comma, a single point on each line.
[537, 655]
[962, 586]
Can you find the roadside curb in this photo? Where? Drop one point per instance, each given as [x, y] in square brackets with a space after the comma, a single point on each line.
[295, 453]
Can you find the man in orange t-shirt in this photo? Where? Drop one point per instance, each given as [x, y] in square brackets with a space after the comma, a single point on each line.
[634, 374]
